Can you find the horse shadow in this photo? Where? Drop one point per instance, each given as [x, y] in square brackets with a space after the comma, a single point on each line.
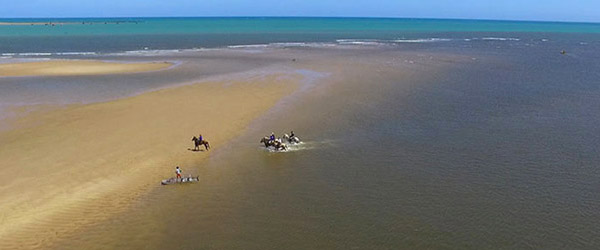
[196, 150]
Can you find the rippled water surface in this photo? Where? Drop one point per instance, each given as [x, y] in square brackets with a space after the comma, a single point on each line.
[499, 151]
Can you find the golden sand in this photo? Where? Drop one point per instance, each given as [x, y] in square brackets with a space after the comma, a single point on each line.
[77, 67]
[66, 169]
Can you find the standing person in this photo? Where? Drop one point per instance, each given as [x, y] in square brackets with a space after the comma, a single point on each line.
[178, 172]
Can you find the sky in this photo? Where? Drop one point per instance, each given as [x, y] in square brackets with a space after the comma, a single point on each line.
[539, 10]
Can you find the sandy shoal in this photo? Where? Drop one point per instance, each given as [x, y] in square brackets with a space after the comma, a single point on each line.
[77, 67]
[70, 168]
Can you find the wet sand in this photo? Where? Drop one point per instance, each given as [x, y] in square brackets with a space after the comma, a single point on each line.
[77, 68]
[73, 167]
[87, 176]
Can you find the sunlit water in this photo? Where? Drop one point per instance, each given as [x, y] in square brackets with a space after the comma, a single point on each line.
[499, 152]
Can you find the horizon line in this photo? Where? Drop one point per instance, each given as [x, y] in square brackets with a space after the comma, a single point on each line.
[341, 17]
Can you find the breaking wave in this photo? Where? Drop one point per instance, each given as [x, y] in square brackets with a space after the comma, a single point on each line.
[145, 51]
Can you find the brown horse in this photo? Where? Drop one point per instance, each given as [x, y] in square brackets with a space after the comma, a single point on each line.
[266, 141]
[198, 142]
[276, 144]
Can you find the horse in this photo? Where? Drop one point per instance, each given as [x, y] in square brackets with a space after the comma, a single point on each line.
[281, 146]
[276, 144]
[294, 139]
[173, 180]
[198, 142]
[266, 141]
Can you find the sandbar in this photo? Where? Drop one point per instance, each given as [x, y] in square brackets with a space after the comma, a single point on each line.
[74, 166]
[77, 67]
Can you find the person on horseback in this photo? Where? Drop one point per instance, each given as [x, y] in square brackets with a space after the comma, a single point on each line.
[200, 138]
[178, 172]
[292, 134]
[272, 137]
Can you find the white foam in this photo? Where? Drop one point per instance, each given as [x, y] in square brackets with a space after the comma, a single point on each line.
[300, 44]
[500, 39]
[252, 46]
[35, 54]
[151, 52]
[359, 42]
[74, 53]
[280, 45]
[323, 44]
[290, 44]
[47, 54]
[425, 40]
[290, 148]
[305, 145]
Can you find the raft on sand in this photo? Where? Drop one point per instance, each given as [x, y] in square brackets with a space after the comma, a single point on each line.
[182, 180]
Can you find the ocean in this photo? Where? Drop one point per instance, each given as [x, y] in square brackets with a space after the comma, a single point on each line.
[490, 140]
[133, 34]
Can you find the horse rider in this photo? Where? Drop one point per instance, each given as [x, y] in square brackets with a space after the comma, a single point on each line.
[200, 138]
[292, 134]
[178, 172]
[272, 137]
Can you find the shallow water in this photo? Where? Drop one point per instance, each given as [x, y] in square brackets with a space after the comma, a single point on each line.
[461, 138]
[438, 146]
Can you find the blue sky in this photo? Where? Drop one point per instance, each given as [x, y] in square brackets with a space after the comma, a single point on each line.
[546, 10]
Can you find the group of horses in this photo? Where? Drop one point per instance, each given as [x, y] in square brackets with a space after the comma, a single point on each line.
[278, 143]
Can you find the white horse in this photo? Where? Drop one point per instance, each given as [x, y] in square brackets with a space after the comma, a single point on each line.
[277, 144]
[180, 180]
[294, 139]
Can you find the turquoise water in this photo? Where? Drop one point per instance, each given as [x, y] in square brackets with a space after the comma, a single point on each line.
[124, 34]
[249, 25]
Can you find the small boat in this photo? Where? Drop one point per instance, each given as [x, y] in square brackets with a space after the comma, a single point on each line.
[182, 180]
